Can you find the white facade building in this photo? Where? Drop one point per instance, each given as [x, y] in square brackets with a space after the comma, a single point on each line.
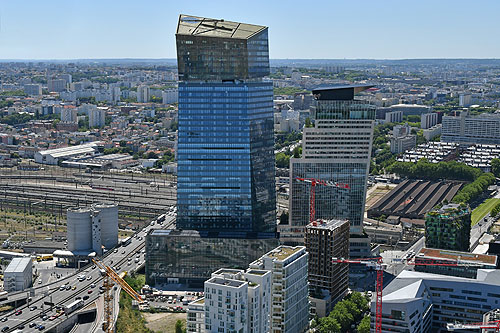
[427, 120]
[432, 132]
[235, 301]
[143, 94]
[424, 302]
[18, 275]
[289, 293]
[97, 117]
[394, 117]
[467, 129]
[170, 96]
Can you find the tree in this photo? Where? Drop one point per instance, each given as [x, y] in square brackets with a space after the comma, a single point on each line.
[329, 325]
[364, 325]
[308, 122]
[282, 160]
[495, 167]
[178, 327]
[297, 151]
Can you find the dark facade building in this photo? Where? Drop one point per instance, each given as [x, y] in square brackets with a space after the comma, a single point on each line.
[448, 227]
[189, 257]
[225, 142]
[327, 281]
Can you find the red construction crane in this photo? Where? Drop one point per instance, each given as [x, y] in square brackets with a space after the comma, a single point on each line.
[378, 265]
[312, 195]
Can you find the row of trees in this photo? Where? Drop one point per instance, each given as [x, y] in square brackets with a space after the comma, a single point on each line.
[495, 167]
[347, 312]
[472, 191]
[423, 169]
[496, 210]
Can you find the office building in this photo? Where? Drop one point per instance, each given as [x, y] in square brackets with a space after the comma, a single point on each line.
[417, 302]
[402, 144]
[427, 120]
[469, 263]
[143, 94]
[90, 229]
[69, 115]
[394, 117]
[18, 275]
[97, 117]
[302, 101]
[328, 282]
[225, 146]
[189, 257]
[289, 293]
[407, 109]
[33, 89]
[170, 96]
[337, 149]
[448, 227]
[467, 129]
[56, 85]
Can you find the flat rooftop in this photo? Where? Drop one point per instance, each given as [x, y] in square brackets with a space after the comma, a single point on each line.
[283, 252]
[226, 282]
[18, 265]
[326, 224]
[427, 253]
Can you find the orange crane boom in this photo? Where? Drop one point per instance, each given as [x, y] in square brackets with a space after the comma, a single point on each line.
[108, 297]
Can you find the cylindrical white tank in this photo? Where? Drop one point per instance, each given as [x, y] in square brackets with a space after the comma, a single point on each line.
[79, 232]
[108, 215]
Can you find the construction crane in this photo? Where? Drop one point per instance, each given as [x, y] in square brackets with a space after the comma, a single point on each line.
[312, 195]
[110, 274]
[492, 326]
[378, 265]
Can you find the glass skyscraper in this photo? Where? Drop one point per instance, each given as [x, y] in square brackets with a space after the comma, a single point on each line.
[225, 152]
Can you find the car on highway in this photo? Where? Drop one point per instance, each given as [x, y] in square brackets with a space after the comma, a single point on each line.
[90, 291]
[68, 287]
[73, 288]
[41, 327]
[63, 287]
[89, 278]
[4, 319]
[78, 297]
[33, 308]
[5, 328]
[43, 317]
[86, 297]
[51, 318]
[18, 312]
[92, 285]
[33, 324]
[39, 281]
[115, 251]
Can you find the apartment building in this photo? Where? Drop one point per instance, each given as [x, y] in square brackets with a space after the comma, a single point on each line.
[290, 304]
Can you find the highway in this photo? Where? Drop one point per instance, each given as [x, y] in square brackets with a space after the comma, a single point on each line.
[88, 289]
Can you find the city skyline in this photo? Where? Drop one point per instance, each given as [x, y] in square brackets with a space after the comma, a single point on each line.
[386, 30]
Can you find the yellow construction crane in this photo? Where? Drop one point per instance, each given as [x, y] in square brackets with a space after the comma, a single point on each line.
[109, 273]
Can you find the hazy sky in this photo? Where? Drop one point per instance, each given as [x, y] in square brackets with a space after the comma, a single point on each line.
[321, 29]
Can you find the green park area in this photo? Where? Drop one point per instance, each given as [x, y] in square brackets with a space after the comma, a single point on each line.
[483, 209]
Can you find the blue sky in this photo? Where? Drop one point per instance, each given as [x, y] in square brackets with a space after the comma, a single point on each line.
[321, 29]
